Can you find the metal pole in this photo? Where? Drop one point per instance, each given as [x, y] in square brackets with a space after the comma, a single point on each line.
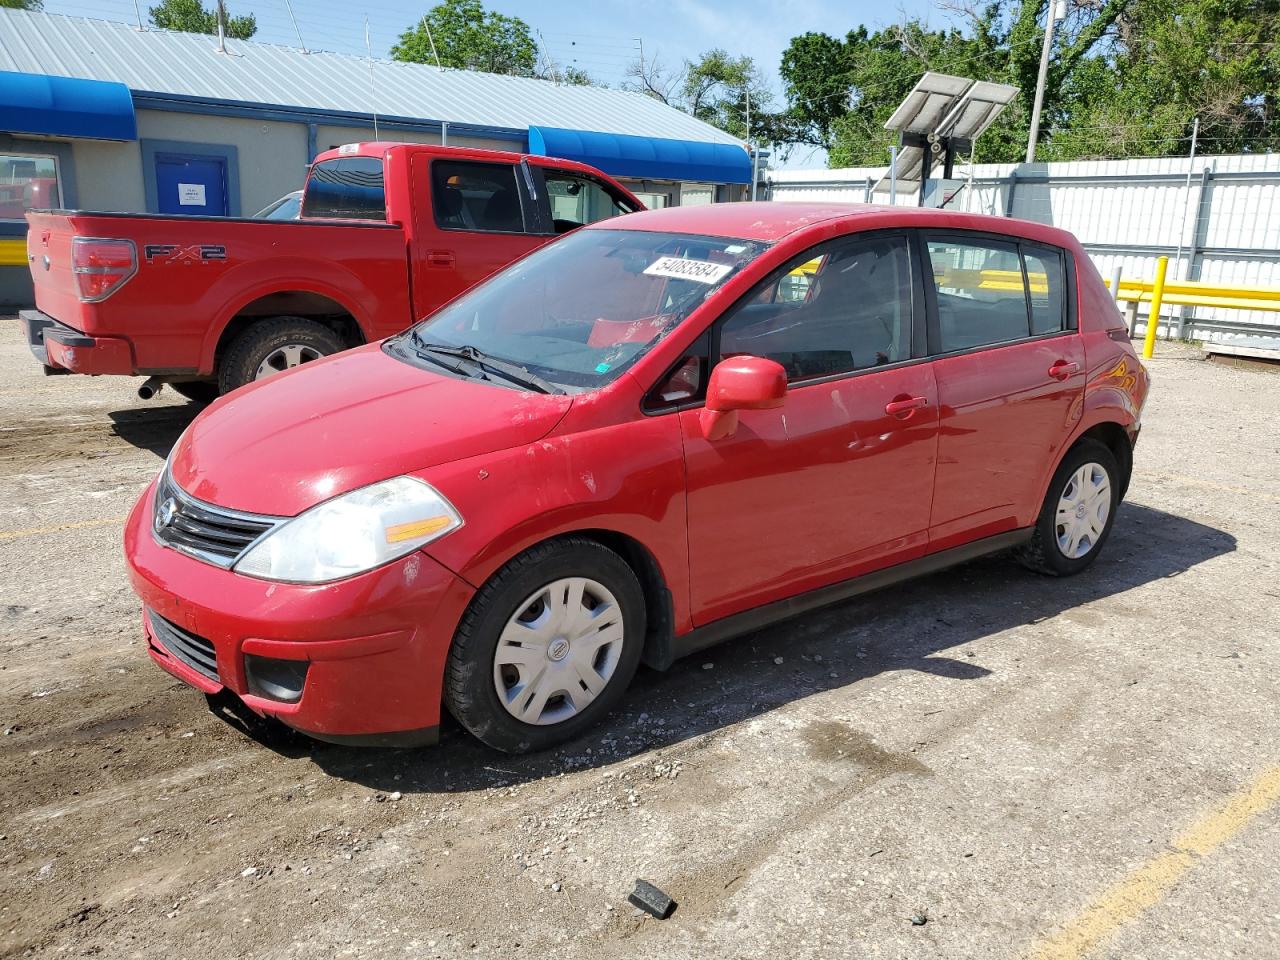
[750, 148]
[431, 40]
[373, 93]
[301, 46]
[1186, 200]
[1157, 301]
[1040, 81]
[893, 175]
[222, 27]
[444, 133]
[1115, 283]
[137, 12]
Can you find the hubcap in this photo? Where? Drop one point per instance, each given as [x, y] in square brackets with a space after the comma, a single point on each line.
[558, 651]
[286, 358]
[1083, 510]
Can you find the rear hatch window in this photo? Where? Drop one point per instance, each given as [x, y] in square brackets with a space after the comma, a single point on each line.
[348, 188]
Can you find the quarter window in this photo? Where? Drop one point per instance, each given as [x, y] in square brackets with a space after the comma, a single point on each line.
[1045, 281]
[841, 308]
[476, 196]
[27, 183]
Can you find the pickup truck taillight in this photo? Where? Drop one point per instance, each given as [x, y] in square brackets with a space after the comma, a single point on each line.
[102, 266]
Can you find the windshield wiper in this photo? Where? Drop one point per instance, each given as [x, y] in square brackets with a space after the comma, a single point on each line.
[504, 368]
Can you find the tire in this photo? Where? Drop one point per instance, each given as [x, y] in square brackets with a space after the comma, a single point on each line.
[1046, 552]
[197, 391]
[515, 599]
[296, 337]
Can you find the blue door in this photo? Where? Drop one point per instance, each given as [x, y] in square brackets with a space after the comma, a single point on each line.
[195, 186]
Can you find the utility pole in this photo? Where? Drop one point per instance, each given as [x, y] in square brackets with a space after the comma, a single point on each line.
[1040, 81]
[750, 149]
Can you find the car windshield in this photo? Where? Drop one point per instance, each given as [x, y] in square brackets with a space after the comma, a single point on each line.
[579, 311]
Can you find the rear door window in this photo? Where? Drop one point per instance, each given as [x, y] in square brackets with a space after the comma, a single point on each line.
[348, 188]
[483, 197]
[1046, 278]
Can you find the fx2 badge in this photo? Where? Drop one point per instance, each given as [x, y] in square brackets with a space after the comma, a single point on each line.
[195, 253]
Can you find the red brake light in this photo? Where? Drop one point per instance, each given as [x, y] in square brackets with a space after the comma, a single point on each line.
[102, 266]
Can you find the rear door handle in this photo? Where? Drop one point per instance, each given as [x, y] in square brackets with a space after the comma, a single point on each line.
[904, 407]
[440, 258]
[1063, 369]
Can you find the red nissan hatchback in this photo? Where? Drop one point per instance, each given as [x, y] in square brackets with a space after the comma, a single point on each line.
[650, 435]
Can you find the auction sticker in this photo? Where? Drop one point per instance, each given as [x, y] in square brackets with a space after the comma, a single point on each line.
[703, 271]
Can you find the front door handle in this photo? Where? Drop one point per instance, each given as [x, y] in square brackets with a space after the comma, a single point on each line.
[440, 258]
[903, 407]
[1063, 369]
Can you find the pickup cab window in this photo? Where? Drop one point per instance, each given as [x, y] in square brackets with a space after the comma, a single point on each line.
[476, 196]
[577, 200]
[348, 188]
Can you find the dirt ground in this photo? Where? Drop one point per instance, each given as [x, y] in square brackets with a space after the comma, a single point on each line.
[984, 763]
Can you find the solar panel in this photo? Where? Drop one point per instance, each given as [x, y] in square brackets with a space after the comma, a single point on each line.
[941, 115]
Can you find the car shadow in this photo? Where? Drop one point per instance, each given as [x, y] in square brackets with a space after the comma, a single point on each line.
[153, 428]
[908, 627]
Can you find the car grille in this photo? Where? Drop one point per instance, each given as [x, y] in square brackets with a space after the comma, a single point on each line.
[212, 534]
[196, 652]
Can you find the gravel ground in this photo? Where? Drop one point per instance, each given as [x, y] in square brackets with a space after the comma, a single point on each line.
[985, 750]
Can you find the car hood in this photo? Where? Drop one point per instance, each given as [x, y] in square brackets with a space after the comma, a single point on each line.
[297, 438]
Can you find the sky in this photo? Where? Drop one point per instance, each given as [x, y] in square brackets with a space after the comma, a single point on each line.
[599, 36]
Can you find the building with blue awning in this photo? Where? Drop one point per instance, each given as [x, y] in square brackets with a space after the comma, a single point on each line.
[100, 115]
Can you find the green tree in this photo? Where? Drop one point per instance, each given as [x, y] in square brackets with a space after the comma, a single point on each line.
[190, 16]
[714, 88]
[22, 4]
[469, 37]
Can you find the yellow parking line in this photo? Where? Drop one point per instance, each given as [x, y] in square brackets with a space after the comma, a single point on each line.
[1148, 884]
[58, 528]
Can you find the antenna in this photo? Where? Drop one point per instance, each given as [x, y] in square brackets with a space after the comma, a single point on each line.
[289, 6]
[373, 93]
[551, 64]
[430, 40]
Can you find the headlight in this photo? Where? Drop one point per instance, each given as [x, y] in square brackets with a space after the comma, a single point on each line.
[352, 533]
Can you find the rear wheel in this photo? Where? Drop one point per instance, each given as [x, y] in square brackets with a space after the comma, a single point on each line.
[547, 647]
[1078, 512]
[273, 346]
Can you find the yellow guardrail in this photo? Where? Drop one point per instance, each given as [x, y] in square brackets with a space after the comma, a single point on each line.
[1187, 293]
[13, 252]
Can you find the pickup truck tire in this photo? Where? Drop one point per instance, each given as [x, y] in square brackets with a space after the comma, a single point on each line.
[199, 391]
[482, 683]
[289, 340]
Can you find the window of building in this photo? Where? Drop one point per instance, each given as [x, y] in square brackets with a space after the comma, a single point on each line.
[476, 196]
[348, 188]
[28, 182]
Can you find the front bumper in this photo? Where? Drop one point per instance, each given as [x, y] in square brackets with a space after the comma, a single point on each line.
[374, 645]
[63, 349]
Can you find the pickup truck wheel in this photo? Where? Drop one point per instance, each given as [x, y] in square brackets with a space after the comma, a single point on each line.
[547, 647]
[1078, 512]
[199, 391]
[273, 346]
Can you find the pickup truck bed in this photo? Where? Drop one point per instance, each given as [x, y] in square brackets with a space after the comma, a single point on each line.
[388, 234]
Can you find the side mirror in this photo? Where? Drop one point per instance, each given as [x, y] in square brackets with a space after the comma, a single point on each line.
[740, 383]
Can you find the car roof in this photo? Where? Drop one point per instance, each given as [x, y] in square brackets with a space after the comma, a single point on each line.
[772, 220]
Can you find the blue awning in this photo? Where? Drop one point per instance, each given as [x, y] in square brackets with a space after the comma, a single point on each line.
[66, 107]
[649, 158]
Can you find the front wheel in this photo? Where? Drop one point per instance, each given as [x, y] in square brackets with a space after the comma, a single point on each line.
[547, 647]
[273, 346]
[1078, 512]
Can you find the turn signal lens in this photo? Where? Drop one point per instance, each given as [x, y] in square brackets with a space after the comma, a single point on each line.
[102, 267]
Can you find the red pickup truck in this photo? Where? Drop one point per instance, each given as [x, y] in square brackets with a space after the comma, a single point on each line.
[389, 232]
